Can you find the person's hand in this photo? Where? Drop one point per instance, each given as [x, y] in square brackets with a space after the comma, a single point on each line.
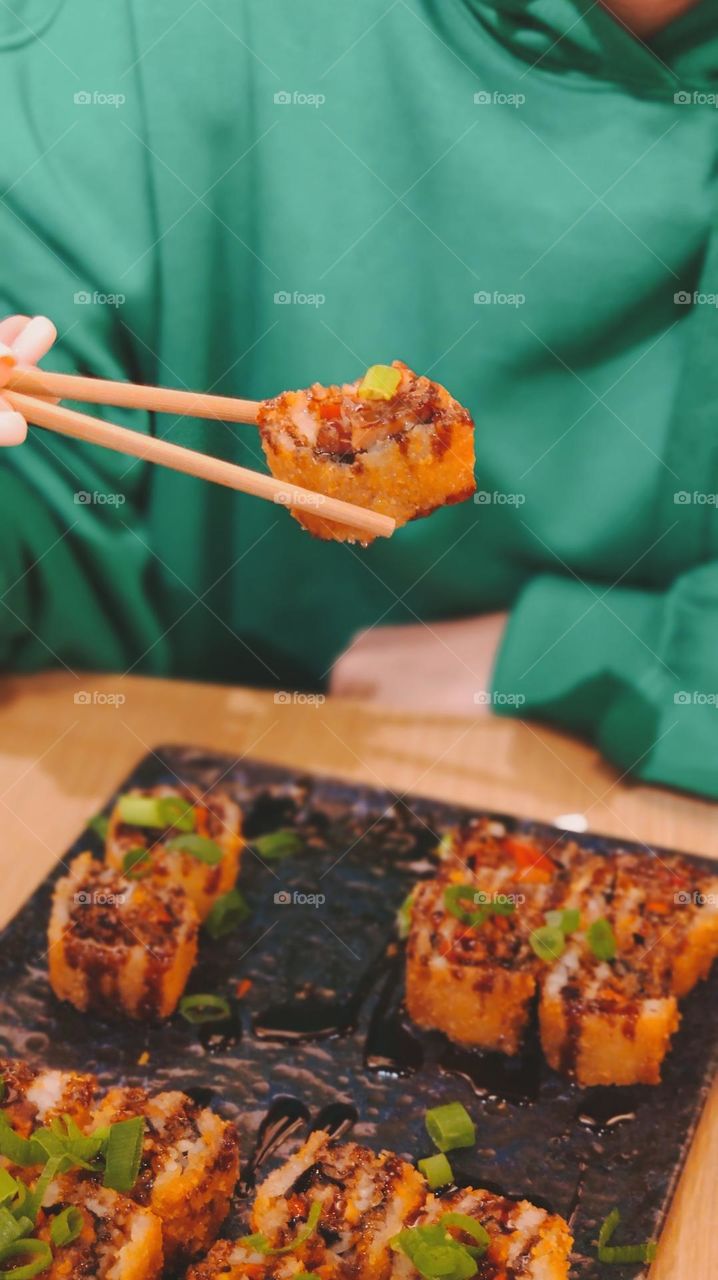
[440, 666]
[22, 341]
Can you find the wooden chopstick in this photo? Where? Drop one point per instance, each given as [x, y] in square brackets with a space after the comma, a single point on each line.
[82, 427]
[131, 395]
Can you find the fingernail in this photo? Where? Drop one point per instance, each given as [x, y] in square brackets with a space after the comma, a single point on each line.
[35, 340]
[13, 427]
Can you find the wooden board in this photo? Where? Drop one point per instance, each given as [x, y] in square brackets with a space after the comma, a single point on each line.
[64, 744]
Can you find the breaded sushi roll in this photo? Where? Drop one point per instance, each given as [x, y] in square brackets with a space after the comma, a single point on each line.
[118, 1240]
[189, 1166]
[470, 968]
[514, 1240]
[119, 946]
[243, 1260]
[34, 1096]
[177, 837]
[392, 441]
[353, 1199]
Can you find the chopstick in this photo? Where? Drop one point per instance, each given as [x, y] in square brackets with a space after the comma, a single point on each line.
[83, 427]
[131, 395]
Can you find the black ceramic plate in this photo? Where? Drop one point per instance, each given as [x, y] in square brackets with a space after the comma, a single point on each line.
[314, 952]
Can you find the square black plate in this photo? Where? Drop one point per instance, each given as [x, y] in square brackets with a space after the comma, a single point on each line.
[577, 1151]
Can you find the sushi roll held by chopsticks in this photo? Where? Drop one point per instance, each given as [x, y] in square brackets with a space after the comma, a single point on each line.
[392, 441]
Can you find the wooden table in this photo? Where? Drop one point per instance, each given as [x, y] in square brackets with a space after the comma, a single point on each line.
[64, 745]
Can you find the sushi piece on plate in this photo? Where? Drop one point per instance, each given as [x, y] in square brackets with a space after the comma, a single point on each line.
[242, 1260]
[471, 971]
[514, 1240]
[392, 441]
[118, 1240]
[178, 837]
[354, 1199]
[119, 946]
[34, 1096]
[188, 1170]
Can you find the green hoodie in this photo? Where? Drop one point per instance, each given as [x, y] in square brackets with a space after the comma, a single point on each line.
[247, 195]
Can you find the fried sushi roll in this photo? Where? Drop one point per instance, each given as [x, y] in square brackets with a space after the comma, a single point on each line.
[177, 837]
[243, 1260]
[118, 946]
[470, 969]
[118, 1240]
[393, 441]
[517, 1240]
[34, 1096]
[352, 1198]
[188, 1170]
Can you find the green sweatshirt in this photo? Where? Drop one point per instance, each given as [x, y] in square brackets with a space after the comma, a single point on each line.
[517, 198]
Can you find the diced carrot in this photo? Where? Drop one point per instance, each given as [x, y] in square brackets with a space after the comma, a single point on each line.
[536, 863]
[329, 409]
[243, 987]
[658, 908]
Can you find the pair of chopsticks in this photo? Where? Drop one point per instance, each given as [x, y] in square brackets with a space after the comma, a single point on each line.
[24, 386]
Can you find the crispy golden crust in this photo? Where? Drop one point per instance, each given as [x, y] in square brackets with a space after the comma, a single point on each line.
[217, 816]
[33, 1096]
[119, 946]
[366, 1199]
[403, 457]
[601, 1021]
[189, 1167]
[526, 1243]
[119, 1240]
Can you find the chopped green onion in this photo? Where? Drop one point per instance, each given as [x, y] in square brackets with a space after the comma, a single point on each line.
[278, 844]
[100, 824]
[568, 920]
[66, 1227]
[124, 1153]
[31, 1203]
[380, 382]
[437, 1171]
[200, 847]
[455, 894]
[548, 942]
[226, 914]
[134, 858]
[445, 847]
[261, 1244]
[403, 916]
[21, 1151]
[11, 1228]
[435, 1253]
[9, 1186]
[602, 940]
[156, 811]
[204, 1008]
[307, 1275]
[450, 1126]
[470, 1227]
[37, 1248]
[622, 1253]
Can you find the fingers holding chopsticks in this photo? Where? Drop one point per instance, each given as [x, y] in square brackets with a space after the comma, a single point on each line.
[23, 340]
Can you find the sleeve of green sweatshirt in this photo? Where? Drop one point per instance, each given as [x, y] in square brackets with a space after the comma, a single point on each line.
[634, 671]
